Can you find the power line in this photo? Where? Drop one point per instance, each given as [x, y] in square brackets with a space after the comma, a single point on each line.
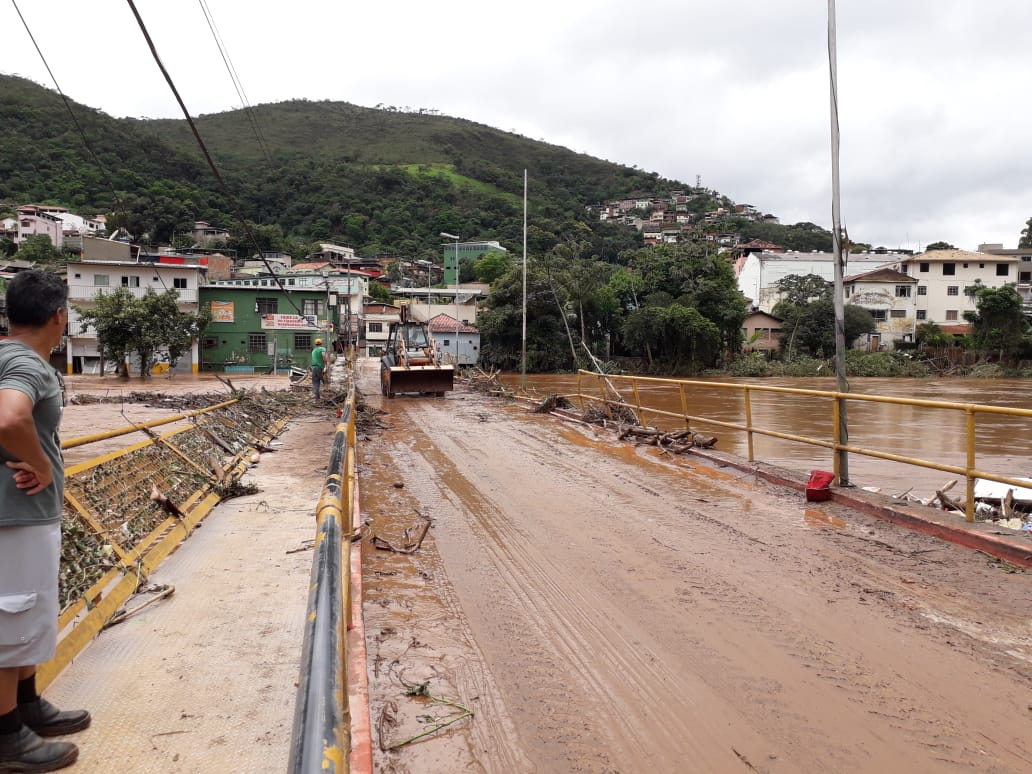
[68, 107]
[207, 156]
[252, 117]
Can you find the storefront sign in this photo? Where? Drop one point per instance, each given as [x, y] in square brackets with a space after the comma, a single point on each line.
[222, 311]
[290, 322]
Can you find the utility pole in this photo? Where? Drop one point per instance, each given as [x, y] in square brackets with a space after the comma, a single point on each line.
[841, 456]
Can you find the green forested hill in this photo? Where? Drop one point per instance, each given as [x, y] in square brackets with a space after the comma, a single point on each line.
[380, 180]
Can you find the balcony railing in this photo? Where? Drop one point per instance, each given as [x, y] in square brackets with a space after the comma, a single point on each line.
[90, 292]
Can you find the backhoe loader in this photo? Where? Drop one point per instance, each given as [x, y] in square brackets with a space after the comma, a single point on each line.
[412, 362]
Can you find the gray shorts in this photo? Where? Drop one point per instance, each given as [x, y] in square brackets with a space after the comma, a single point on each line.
[30, 559]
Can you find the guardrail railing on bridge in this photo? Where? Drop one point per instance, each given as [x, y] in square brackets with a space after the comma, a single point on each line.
[320, 741]
[836, 400]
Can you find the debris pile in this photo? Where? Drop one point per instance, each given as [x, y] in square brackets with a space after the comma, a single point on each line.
[1005, 505]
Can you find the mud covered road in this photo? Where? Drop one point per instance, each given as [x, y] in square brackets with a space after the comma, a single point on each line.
[602, 608]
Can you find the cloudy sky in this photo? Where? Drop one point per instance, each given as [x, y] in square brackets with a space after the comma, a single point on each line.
[932, 93]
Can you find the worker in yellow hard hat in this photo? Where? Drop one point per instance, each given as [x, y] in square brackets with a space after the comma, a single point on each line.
[318, 366]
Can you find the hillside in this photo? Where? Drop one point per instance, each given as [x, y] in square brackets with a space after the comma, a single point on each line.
[381, 180]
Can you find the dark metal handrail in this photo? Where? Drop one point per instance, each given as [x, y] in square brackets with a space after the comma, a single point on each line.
[319, 740]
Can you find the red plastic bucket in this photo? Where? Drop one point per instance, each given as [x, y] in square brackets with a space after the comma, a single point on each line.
[818, 488]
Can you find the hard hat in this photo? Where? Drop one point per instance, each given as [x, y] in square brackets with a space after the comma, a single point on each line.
[318, 341]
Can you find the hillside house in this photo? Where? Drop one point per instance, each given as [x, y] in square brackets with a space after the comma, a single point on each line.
[761, 332]
[258, 328]
[377, 319]
[459, 342]
[942, 276]
[88, 279]
[759, 272]
[891, 298]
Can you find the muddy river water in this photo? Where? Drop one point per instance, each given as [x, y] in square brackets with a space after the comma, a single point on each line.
[601, 607]
[1003, 442]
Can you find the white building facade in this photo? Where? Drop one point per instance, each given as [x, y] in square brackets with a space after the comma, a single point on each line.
[759, 272]
[942, 276]
[89, 279]
[891, 298]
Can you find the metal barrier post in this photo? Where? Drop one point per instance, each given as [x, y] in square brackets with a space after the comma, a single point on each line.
[748, 424]
[637, 403]
[684, 406]
[836, 418]
[969, 507]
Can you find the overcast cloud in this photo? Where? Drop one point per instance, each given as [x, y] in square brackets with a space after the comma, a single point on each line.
[932, 93]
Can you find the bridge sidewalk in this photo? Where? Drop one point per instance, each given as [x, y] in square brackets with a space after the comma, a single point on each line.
[205, 680]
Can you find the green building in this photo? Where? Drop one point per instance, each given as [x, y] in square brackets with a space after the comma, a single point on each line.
[254, 327]
[466, 250]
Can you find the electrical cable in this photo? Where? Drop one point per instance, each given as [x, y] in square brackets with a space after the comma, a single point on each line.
[116, 199]
[208, 158]
[252, 116]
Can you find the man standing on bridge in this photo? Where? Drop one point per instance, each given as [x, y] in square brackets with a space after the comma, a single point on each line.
[31, 503]
[318, 366]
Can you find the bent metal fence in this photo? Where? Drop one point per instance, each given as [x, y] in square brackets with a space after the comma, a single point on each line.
[836, 402]
[126, 511]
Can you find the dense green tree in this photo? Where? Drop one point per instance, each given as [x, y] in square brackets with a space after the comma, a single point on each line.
[998, 323]
[930, 334]
[808, 323]
[126, 325]
[939, 246]
[1025, 241]
[492, 265]
[378, 292]
[799, 289]
[40, 250]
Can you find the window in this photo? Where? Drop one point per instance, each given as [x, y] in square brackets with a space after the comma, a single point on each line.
[922, 290]
[374, 327]
[211, 342]
[302, 341]
[949, 269]
[921, 314]
[446, 343]
[1002, 269]
[179, 282]
[902, 291]
[904, 268]
[952, 290]
[266, 305]
[924, 266]
[1026, 258]
[1025, 276]
[877, 314]
[101, 280]
[898, 313]
[130, 282]
[951, 314]
[256, 342]
[313, 306]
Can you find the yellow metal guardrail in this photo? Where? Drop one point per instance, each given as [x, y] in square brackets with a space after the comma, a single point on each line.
[126, 511]
[839, 399]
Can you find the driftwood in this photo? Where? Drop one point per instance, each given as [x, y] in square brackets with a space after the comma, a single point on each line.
[410, 547]
[948, 503]
[551, 403]
[677, 441]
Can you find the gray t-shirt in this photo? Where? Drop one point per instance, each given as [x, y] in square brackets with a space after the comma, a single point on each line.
[23, 370]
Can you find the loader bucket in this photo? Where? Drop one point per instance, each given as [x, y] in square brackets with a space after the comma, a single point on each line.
[434, 379]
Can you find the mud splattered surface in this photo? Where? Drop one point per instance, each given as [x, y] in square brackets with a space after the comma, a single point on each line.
[602, 608]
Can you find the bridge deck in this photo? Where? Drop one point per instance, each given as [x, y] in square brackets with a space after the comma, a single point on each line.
[205, 680]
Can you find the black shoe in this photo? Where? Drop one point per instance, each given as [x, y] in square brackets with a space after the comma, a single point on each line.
[47, 720]
[26, 751]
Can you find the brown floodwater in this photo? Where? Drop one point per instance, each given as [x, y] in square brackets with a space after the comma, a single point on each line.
[1002, 443]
